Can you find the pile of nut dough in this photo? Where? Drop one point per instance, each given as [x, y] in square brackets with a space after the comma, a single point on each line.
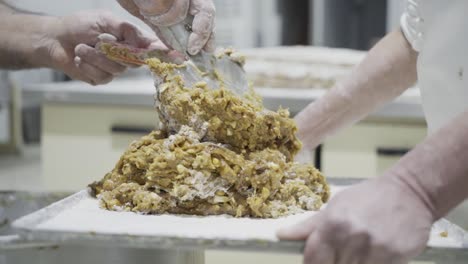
[227, 155]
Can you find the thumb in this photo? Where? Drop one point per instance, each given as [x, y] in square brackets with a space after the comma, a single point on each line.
[300, 231]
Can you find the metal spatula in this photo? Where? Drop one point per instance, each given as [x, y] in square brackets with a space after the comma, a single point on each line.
[221, 70]
[217, 70]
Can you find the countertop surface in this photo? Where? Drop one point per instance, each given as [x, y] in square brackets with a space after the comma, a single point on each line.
[140, 91]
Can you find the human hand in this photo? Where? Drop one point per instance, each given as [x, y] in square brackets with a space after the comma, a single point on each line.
[170, 12]
[70, 45]
[377, 221]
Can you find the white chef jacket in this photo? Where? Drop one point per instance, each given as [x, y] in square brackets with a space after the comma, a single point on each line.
[438, 30]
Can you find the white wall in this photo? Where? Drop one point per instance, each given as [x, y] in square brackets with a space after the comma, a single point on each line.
[4, 108]
[4, 123]
[270, 24]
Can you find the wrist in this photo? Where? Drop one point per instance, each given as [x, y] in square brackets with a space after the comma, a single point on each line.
[44, 43]
[404, 180]
[323, 117]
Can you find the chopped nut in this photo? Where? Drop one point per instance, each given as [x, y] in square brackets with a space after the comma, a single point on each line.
[444, 234]
[181, 168]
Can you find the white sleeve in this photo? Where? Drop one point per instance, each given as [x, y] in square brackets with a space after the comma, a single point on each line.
[412, 24]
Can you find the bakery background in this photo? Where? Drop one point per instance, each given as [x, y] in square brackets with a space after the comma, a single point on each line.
[57, 135]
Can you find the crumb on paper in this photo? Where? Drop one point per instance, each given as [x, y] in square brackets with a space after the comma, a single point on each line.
[443, 234]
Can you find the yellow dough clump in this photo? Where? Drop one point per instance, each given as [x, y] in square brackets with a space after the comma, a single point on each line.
[224, 154]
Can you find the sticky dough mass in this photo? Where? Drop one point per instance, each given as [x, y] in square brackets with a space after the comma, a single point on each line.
[225, 154]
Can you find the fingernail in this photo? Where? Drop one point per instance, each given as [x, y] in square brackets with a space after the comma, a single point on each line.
[107, 37]
[193, 51]
[77, 61]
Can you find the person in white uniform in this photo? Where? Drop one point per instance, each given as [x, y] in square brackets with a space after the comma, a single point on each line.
[388, 219]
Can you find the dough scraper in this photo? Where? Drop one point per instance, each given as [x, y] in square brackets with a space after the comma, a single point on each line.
[221, 69]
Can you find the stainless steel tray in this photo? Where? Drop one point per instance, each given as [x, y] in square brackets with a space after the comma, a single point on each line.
[39, 226]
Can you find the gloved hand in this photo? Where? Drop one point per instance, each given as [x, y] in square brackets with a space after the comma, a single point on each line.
[71, 45]
[378, 221]
[169, 12]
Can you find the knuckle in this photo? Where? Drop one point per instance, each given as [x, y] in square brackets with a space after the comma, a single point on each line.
[97, 82]
[210, 7]
[100, 78]
[81, 50]
[210, 10]
[309, 252]
[92, 82]
[203, 35]
[338, 223]
[128, 26]
[384, 247]
[106, 79]
[362, 234]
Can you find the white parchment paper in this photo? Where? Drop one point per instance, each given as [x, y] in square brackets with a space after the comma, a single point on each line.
[86, 217]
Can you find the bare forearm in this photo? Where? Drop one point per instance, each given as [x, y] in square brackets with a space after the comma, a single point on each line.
[22, 39]
[387, 71]
[437, 170]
